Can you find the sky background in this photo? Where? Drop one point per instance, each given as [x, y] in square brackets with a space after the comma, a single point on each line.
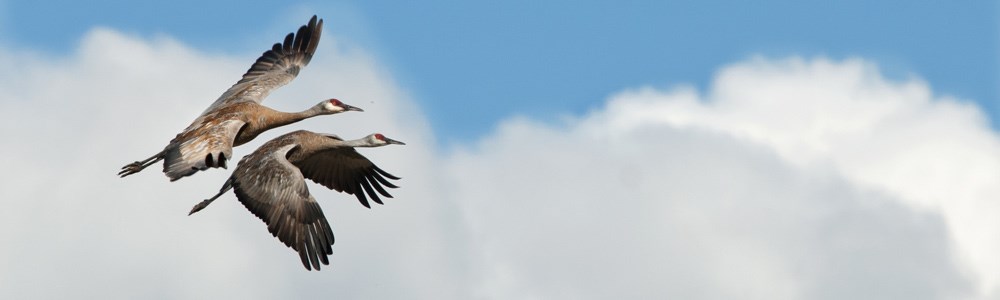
[472, 64]
[556, 150]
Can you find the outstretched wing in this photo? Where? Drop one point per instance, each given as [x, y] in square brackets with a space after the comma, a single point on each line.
[276, 67]
[202, 146]
[345, 170]
[274, 190]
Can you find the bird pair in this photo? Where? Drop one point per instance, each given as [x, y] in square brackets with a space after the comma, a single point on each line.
[270, 182]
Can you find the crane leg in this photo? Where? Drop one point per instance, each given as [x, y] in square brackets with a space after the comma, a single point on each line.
[135, 167]
[204, 203]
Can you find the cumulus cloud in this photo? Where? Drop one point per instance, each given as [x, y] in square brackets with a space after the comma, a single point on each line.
[932, 153]
[789, 179]
[623, 203]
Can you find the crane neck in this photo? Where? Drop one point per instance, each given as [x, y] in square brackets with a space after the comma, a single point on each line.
[362, 142]
[285, 118]
[263, 119]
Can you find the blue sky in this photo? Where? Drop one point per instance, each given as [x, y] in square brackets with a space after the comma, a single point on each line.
[471, 64]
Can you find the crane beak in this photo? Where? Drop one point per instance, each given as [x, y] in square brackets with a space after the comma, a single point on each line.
[350, 108]
[392, 141]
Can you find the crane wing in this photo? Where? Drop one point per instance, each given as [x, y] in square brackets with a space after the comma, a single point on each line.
[345, 170]
[274, 190]
[274, 68]
[202, 146]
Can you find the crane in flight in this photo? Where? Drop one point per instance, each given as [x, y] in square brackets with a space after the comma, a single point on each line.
[270, 182]
[237, 116]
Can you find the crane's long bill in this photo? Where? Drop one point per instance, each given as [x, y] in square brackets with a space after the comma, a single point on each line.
[350, 108]
[392, 141]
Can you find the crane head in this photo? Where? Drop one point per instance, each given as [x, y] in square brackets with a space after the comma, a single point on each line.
[335, 106]
[381, 140]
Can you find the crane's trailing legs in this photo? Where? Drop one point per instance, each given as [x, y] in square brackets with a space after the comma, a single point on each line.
[204, 203]
[135, 167]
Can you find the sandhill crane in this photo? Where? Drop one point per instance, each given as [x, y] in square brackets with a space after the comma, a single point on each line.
[237, 117]
[270, 182]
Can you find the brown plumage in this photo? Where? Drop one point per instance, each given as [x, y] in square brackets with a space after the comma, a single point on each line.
[270, 182]
[237, 116]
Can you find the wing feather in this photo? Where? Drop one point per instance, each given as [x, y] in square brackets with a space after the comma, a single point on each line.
[202, 146]
[382, 180]
[275, 67]
[274, 190]
[345, 170]
[378, 187]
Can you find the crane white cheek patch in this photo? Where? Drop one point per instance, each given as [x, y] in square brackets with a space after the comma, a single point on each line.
[329, 106]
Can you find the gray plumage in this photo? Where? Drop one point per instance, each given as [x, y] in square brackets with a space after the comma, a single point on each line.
[270, 182]
[237, 116]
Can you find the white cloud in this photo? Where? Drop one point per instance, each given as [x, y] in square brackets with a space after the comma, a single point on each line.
[935, 154]
[662, 212]
[791, 179]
